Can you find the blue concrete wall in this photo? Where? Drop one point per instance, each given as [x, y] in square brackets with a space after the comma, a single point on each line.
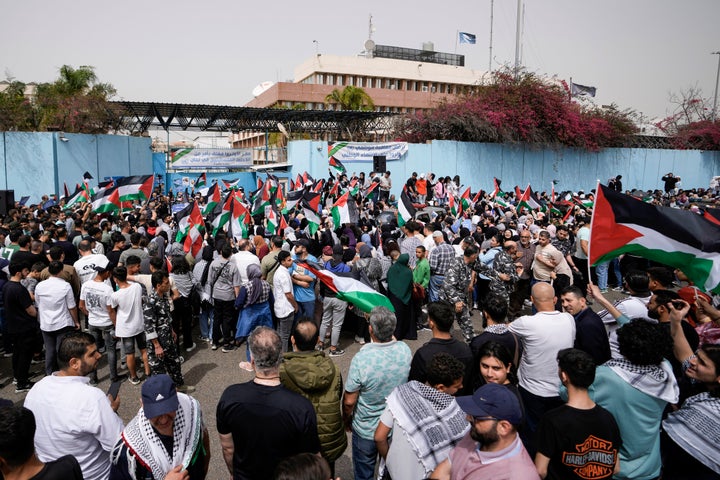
[38, 163]
[478, 163]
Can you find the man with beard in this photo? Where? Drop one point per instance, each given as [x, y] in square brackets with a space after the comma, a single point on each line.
[72, 416]
[492, 449]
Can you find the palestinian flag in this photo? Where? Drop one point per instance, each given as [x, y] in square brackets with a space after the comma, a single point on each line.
[80, 196]
[181, 219]
[239, 219]
[712, 215]
[455, 209]
[678, 238]
[291, 186]
[231, 184]
[351, 290]
[195, 232]
[106, 201]
[311, 200]
[477, 197]
[273, 222]
[496, 187]
[554, 210]
[336, 165]
[552, 191]
[335, 189]
[283, 223]
[262, 198]
[500, 201]
[292, 199]
[568, 214]
[318, 186]
[529, 200]
[66, 192]
[213, 198]
[340, 210]
[406, 210]
[135, 187]
[221, 215]
[200, 182]
[371, 188]
[102, 186]
[583, 202]
[313, 220]
[465, 199]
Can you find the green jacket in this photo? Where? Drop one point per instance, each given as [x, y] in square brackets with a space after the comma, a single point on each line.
[317, 378]
[421, 274]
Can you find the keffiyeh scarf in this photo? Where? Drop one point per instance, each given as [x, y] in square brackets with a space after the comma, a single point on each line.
[655, 380]
[696, 429]
[431, 420]
[145, 446]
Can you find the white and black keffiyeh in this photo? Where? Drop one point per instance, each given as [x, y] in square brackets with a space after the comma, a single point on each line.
[145, 446]
[696, 429]
[431, 420]
[655, 380]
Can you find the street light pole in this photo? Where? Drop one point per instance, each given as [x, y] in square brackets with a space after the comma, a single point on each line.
[717, 78]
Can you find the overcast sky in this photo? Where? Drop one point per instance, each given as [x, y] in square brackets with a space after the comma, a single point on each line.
[636, 52]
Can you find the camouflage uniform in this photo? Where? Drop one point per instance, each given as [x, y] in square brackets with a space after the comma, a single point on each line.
[503, 263]
[158, 325]
[455, 289]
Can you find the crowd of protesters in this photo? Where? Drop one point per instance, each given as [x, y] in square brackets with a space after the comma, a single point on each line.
[560, 382]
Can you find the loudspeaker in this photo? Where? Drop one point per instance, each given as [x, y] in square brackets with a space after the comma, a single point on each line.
[379, 163]
[7, 201]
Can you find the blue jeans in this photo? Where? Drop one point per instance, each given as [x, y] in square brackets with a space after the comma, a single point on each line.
[206, 322]
[305, 309]
[110, 345]
[436, 282]
[364, 456]
[601, 270]
[615, 262]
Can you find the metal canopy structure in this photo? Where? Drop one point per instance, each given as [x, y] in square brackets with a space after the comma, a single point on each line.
[138, 117]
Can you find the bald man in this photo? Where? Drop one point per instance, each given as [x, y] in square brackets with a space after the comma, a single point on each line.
[543, 335]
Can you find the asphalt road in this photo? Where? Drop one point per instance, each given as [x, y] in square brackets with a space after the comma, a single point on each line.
[211, 372]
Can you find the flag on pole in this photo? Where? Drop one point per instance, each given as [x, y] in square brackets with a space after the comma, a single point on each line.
[577, 90]
[340, 211]
[313, 220]
[221, 215]
[213, 198]
[137, 187]
[311, 200]
[496, 188]
[464, 37]
[201, 181]
[350, 290]
[273, 222]
[465, 199]
[195, 232]
[678, 238]
[231, 184]
[80, 196]
[406, 210]
[106, 201]
[181, 219]
[453, 206]
[336, 165]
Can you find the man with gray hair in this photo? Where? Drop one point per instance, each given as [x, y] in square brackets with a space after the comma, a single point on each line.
[260, 422]
[375, 371]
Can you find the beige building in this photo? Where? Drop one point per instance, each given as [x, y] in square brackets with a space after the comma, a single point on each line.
[399, 80]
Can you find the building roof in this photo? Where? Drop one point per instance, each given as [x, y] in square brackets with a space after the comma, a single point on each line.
[137, 117]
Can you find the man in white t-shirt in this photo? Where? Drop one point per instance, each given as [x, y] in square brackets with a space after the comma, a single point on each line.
[285, 304]
[96, 304]
[130, 323]
[57, 312]
[72, 417]
[85, 265]
[543, 335]
[243, 258]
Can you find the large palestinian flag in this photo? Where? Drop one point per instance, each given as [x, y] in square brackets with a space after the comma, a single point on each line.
[351, 290]
[679, 238]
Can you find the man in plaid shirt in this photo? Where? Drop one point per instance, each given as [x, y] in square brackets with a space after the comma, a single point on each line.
[439, 258]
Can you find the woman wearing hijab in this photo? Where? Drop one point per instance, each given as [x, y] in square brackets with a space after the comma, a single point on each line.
[200, 277]
[253, 302]
[400, 285]
[261, 247]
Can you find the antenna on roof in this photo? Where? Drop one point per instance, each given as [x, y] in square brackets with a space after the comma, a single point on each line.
[369, 44]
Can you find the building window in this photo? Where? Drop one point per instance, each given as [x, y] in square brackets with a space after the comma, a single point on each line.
[320, 78]
[359, 82]
[330, 79]
[340, 80]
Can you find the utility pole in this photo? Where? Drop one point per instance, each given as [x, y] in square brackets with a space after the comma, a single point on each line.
[517, 38]
[717, 78]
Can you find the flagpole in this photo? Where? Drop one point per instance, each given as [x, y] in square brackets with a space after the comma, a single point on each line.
[592, 225]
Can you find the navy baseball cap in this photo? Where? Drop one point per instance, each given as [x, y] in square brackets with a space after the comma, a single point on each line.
[159, 396]
[493, 400]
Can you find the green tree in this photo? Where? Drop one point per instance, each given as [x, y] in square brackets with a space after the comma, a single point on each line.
[75, 102]
[351, 98]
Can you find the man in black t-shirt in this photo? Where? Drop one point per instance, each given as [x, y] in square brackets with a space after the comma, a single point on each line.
[261, 422]
[440, 320]
[580, 439]
[22, 325]
[17, 451]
